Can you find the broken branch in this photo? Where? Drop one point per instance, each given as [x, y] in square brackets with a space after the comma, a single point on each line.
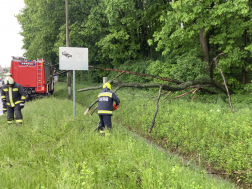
[195, 91]
[227, 91]
[185, 85]
[90, 106]
[154, 117]
[181, 95]
[100, 86]
[134, 73]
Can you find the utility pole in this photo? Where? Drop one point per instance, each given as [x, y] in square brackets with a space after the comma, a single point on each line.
[67, 45]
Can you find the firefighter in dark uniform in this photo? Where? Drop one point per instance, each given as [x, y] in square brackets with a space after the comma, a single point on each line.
[13, 96]
[4, 105]
[106, 107]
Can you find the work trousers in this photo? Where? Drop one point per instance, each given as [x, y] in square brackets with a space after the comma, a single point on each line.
[4, 108]
[105, 121]
[18, 115]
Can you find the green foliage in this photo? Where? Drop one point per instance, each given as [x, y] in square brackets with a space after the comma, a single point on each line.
[219, 20]
[90, 76]
[183, 68]
[248, 87]
[131, 24]
[54, 150]
[189, 68]
[208, 132]
[114, 31]
[133, 66]
[240, 99]
[119, 31]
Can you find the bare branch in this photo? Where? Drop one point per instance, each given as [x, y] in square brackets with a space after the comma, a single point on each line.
[90, 88]
[91, 113]
[167, 95]
[183, 86]
[154, 117]
[181, 95]
[100, 86]
[119, 75]
[195, 91]
[90, 106]
[134, 73]
[226, 173]
[189, 84]
[227, 91]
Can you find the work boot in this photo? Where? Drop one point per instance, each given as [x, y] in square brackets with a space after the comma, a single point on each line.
[102, 133]
[18, 124]
[105, 132]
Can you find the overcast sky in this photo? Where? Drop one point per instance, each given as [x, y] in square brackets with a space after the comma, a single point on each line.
[10, 41]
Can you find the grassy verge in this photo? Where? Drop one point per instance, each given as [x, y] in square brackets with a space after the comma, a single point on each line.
[53, 150]
[209, 133]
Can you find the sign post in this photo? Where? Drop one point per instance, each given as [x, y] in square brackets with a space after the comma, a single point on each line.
[73, 58]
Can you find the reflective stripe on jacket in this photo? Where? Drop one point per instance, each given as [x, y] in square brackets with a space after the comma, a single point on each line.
[13, 95]
[105, 102]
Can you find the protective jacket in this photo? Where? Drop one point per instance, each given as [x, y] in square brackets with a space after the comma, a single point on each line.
[105, 102]
[13, 95]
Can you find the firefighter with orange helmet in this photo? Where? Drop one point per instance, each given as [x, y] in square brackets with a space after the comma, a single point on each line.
[13, 96]
[106, 107]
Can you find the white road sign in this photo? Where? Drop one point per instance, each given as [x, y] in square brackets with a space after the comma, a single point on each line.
[73, 58]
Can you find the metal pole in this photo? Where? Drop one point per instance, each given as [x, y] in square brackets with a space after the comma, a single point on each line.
[74, 93]
[67, 45]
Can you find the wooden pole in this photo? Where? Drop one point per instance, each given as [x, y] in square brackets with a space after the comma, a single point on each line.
[104, 80]
[67, 45]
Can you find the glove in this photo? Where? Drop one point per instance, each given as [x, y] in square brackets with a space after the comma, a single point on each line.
[22, 105]
[115, 106]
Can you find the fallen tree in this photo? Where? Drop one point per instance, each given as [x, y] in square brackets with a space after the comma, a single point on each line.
[198, 84]
[189, 84]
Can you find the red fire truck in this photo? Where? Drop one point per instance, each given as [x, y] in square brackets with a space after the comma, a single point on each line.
[35, 76]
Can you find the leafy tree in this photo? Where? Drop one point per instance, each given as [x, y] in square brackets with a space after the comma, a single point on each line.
[219, 19]
[120, 31]
[132, 23]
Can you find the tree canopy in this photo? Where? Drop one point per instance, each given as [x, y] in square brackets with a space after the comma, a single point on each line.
[180, 38]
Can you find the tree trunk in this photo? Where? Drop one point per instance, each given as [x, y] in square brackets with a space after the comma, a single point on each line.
[204, 49]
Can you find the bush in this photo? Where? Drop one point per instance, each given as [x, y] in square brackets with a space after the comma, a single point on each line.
[182, 68]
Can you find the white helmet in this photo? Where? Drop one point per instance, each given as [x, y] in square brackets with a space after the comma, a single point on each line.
[8, 74]
[8, 81]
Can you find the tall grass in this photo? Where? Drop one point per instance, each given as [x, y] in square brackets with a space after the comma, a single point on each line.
[207, 132]
[54, 150]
